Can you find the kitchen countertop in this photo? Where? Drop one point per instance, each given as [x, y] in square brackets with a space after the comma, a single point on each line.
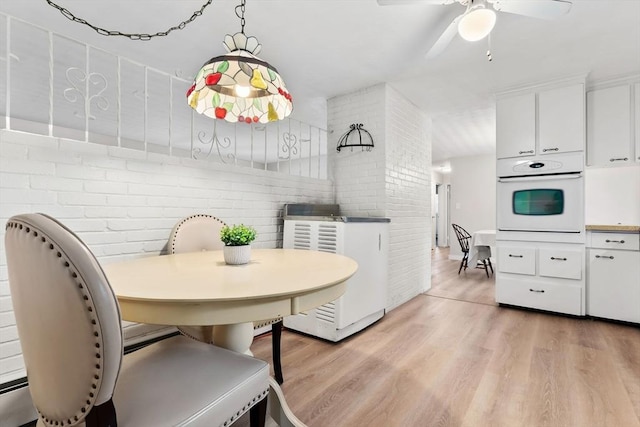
[610, 227]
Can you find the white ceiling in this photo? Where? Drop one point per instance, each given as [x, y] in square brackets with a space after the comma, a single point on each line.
[325, 48]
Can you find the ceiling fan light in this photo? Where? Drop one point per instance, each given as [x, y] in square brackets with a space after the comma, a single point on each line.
[477, 24]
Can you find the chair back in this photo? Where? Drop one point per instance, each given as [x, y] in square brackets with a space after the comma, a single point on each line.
[196, 233]
[463, 237]
[67, 317]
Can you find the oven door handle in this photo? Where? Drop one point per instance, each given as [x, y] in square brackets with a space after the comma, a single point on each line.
[540, 178]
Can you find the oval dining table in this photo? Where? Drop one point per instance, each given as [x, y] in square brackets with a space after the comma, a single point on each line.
[199, 288]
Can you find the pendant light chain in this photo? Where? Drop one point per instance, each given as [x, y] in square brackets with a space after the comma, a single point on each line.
[133, 36]
[240, 14]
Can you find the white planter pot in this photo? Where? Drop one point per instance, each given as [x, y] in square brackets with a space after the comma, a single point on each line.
[236, 255]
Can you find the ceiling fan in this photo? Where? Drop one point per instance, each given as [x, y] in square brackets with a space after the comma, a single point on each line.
[478, 19]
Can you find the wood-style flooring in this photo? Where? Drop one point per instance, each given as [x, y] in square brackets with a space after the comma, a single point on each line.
[452, 357]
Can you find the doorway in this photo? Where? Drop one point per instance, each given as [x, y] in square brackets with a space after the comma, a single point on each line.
[442, 202]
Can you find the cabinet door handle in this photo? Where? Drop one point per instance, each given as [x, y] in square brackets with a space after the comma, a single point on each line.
[526, 152]
[614, 241]
[538, 291]
[558, 259]
[620, 159]
[379, 241]
[544, 150]
[603, 256]
[515, 256]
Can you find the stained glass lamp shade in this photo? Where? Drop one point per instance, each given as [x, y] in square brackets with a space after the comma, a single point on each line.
[239, 86]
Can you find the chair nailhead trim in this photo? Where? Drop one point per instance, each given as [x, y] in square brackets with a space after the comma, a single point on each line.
[173, 242]
[246, 407]
[90, 401]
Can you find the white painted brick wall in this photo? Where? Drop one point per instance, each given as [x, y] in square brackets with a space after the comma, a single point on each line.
[124, 204]
[393, 180]
[358, 175]
[408, 193]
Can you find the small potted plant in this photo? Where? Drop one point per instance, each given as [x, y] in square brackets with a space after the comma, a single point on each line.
[237, 243]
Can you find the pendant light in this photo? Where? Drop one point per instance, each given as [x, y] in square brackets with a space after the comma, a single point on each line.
[239, 86]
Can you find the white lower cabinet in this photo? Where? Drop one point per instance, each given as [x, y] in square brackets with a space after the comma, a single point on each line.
[518, 260]
[566, 264]
[613, 276]
[546, 295]
[544, 276]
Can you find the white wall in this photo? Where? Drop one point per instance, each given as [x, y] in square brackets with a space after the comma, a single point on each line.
[123, 203]
[393, 180]
[473, 196]
[612, 195]
[408, 189]
[358, 175]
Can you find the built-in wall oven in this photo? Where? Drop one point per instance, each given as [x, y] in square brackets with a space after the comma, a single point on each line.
[540, 239]
[541, 195]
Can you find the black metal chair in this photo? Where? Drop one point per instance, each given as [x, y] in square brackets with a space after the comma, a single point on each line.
[484, 252]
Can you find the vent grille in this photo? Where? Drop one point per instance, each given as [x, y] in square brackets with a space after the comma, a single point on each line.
[302, 236]
[326, 312]
[327, 238]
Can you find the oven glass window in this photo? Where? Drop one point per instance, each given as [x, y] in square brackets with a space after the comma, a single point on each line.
[539, 201]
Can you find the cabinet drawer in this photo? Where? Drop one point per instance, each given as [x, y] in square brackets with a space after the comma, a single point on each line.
[517, 260]
[626, 241]
[542, 295]
[561, 263]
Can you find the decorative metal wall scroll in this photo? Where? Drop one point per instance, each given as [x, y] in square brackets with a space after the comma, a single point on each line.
[79, 90]
[354, 138]
[289, 146]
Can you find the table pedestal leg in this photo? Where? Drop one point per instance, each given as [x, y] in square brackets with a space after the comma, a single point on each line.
[237, 337]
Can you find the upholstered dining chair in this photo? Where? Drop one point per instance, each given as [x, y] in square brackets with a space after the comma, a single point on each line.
[69, 325]
[483, 252]
[201, 232]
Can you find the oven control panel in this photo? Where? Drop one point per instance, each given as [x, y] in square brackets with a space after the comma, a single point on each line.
[537, 166]
[541, 165]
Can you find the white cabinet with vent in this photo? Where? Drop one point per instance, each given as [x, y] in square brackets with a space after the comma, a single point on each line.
[366, 241]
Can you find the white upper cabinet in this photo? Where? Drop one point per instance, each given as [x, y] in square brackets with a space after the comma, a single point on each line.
[516, 126]
[561, 120]
[541, 122]
[637, 120]
[609, 127]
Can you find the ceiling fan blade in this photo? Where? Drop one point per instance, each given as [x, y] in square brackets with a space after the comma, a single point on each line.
[444, 39]
[543, 9]
[401, 2]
